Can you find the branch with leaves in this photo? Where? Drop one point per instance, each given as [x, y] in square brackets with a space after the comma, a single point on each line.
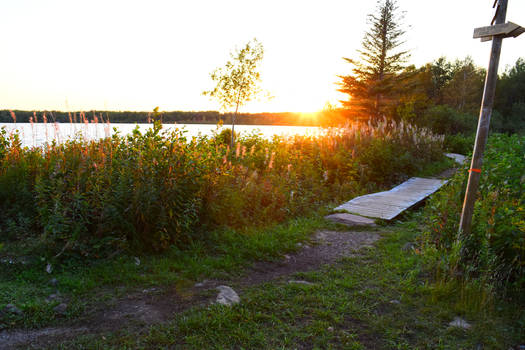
[237, 82]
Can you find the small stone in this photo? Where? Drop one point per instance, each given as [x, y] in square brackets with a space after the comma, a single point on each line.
[53, 297]
[287, 257]
[330, 329]
[12, 309]
[200, 284]
[53, 282]
[60, 309]
[459, 323]
[408, 247]
[300, 282]
[299, 245]
[395, 301]
[227, 296]
[320, 235]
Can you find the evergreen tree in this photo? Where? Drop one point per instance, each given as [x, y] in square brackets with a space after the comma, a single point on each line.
[372, 84]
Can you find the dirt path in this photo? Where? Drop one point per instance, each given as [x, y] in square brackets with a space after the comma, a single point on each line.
[152, 306]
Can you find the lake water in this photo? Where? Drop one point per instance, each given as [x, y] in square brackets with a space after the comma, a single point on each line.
[39, 134]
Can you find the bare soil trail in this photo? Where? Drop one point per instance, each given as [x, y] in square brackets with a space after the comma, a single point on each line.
[158, 305]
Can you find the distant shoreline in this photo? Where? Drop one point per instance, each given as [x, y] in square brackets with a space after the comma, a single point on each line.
[324, 118]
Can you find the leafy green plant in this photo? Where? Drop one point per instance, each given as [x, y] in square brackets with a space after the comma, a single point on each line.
[145, 192]
[495, 251]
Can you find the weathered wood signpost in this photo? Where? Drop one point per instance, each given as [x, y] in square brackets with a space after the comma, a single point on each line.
[497, 31]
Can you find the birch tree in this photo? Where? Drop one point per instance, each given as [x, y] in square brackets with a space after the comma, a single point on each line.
[237, 82]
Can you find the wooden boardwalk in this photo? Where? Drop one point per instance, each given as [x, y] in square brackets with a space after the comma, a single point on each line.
[459, 158]
[388, 204]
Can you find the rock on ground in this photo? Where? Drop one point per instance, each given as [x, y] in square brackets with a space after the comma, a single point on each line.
[12, 309]
[300, 282]
[227, 296]
[408, 247]
[459, 323]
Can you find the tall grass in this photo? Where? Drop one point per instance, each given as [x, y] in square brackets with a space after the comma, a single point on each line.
[147, 191]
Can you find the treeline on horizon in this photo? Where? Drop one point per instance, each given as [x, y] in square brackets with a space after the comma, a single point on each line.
[328, 118]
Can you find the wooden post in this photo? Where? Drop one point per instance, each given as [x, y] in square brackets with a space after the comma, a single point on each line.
[483, 125]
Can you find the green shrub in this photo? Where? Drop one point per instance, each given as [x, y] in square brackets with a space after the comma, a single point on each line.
[459, 143]
[495, 251]
[17, 207]
[445, 120]
[145, 192]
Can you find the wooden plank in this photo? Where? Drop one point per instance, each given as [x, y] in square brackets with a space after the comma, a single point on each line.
[350, 220]
[498, 29]
[388, 204]
[459, 158]
[517, 32]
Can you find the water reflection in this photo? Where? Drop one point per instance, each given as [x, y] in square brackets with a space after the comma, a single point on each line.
[38, 134]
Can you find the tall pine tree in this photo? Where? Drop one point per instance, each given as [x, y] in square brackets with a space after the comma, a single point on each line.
[372, 85]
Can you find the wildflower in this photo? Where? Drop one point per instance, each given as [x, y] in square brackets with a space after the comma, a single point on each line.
[270, 165]
[237, 150]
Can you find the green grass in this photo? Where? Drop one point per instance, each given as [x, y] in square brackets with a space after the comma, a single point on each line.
[351, 306]
[223, 255]
[83, 281]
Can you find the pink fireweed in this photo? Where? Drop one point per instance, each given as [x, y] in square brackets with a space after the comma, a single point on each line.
[237, 150]
[13, 116]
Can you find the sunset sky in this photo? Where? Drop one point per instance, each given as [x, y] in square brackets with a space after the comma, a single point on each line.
[135, 55]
